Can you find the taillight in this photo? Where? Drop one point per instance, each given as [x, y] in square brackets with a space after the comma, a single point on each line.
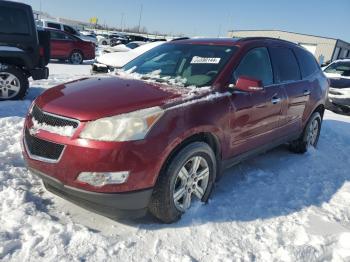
[41, 51]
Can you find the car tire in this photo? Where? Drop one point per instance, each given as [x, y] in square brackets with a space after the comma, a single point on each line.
[104, 43]
[310, 135]
[13, 83]
[76, 57]
[199, 159]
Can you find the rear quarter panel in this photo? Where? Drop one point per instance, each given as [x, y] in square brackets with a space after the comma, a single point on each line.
[319, 88]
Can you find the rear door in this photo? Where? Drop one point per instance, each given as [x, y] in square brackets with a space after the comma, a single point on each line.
[287, 74]
[61, 44]
[255, 117]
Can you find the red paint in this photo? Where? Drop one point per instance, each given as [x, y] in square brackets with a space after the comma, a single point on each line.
[63, 48]
[249, 84]
[240, 121]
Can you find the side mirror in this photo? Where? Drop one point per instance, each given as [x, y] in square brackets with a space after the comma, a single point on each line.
[249, 84]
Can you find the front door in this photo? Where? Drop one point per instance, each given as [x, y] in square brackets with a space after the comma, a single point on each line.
[255, 116]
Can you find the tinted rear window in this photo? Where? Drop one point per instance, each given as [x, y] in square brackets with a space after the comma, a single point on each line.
[285, 65]
[307, 62]
[54, 25]
[14, 21]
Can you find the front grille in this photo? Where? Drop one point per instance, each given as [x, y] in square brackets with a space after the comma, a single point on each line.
[42, 149]
[52, 120]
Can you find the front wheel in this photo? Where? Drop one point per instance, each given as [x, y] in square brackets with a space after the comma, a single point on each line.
[13, 83]
[189, 176]
[310, 135]
[76, 58]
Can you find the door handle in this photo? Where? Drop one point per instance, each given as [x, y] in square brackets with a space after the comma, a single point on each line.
[275, 100]
[307, 92]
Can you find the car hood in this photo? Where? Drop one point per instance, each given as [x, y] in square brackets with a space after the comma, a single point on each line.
[119, 59]
[339, 82]
[93, 98]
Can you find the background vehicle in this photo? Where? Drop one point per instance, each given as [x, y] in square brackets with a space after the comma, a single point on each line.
[66, 28]
[24, 52]
[65, 46]
[111, 61]
[156, 144]
[338, 74]
[121, 47]
[112, 39]
[137, 38]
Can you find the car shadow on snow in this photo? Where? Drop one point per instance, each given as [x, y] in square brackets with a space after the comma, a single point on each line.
[275, 184]
[19, 108]
[66, 62]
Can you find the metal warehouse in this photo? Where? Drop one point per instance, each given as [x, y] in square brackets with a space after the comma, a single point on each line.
[323, 48]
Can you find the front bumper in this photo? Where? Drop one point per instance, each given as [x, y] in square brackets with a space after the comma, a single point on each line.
[98, 68]
[113, 205]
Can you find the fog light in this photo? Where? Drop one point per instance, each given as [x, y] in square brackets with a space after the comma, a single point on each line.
[101, 179]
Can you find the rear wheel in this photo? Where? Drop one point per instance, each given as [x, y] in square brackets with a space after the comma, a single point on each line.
[310, 135]
[189, 176]
[76, 57]
[13, 83]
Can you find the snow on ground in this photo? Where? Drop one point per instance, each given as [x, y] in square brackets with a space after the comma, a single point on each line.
[276, 207]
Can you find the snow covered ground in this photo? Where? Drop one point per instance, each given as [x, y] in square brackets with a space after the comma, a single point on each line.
[275, 207]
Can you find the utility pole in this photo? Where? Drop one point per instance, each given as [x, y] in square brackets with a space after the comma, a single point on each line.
[140, 18]
[40, 9]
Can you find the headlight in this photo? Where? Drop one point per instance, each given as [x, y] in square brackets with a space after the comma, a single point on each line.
[100, 179]
[125, 127]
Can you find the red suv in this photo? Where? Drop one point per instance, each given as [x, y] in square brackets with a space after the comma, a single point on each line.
[159, 135]
[65, 46]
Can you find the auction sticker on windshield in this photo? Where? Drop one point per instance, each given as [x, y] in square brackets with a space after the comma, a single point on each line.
[205, 60]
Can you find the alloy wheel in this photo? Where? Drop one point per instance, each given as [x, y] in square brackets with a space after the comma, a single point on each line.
[313, 133]
[192, 180]
[76, 58]
[9, 85]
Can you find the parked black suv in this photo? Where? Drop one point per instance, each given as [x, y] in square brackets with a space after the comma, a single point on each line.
[24, 51]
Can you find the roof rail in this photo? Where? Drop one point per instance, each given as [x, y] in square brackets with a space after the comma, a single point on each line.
[252, 38]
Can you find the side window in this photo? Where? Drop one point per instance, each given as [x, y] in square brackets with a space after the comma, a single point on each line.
[70, 30]
[307, 62]
[285, 64]
[132, 45]
[54, 25]
[256, 64]
[14, 21]
[58, 36]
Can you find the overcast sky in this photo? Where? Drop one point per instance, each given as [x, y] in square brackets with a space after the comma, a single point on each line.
[211, 17]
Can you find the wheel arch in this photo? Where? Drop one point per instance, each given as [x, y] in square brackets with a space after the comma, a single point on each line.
[320, 109]
[207, 137]
[76, 50]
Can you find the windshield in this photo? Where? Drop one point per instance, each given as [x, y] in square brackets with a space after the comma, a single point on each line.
[185, 64]
[340, 68]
